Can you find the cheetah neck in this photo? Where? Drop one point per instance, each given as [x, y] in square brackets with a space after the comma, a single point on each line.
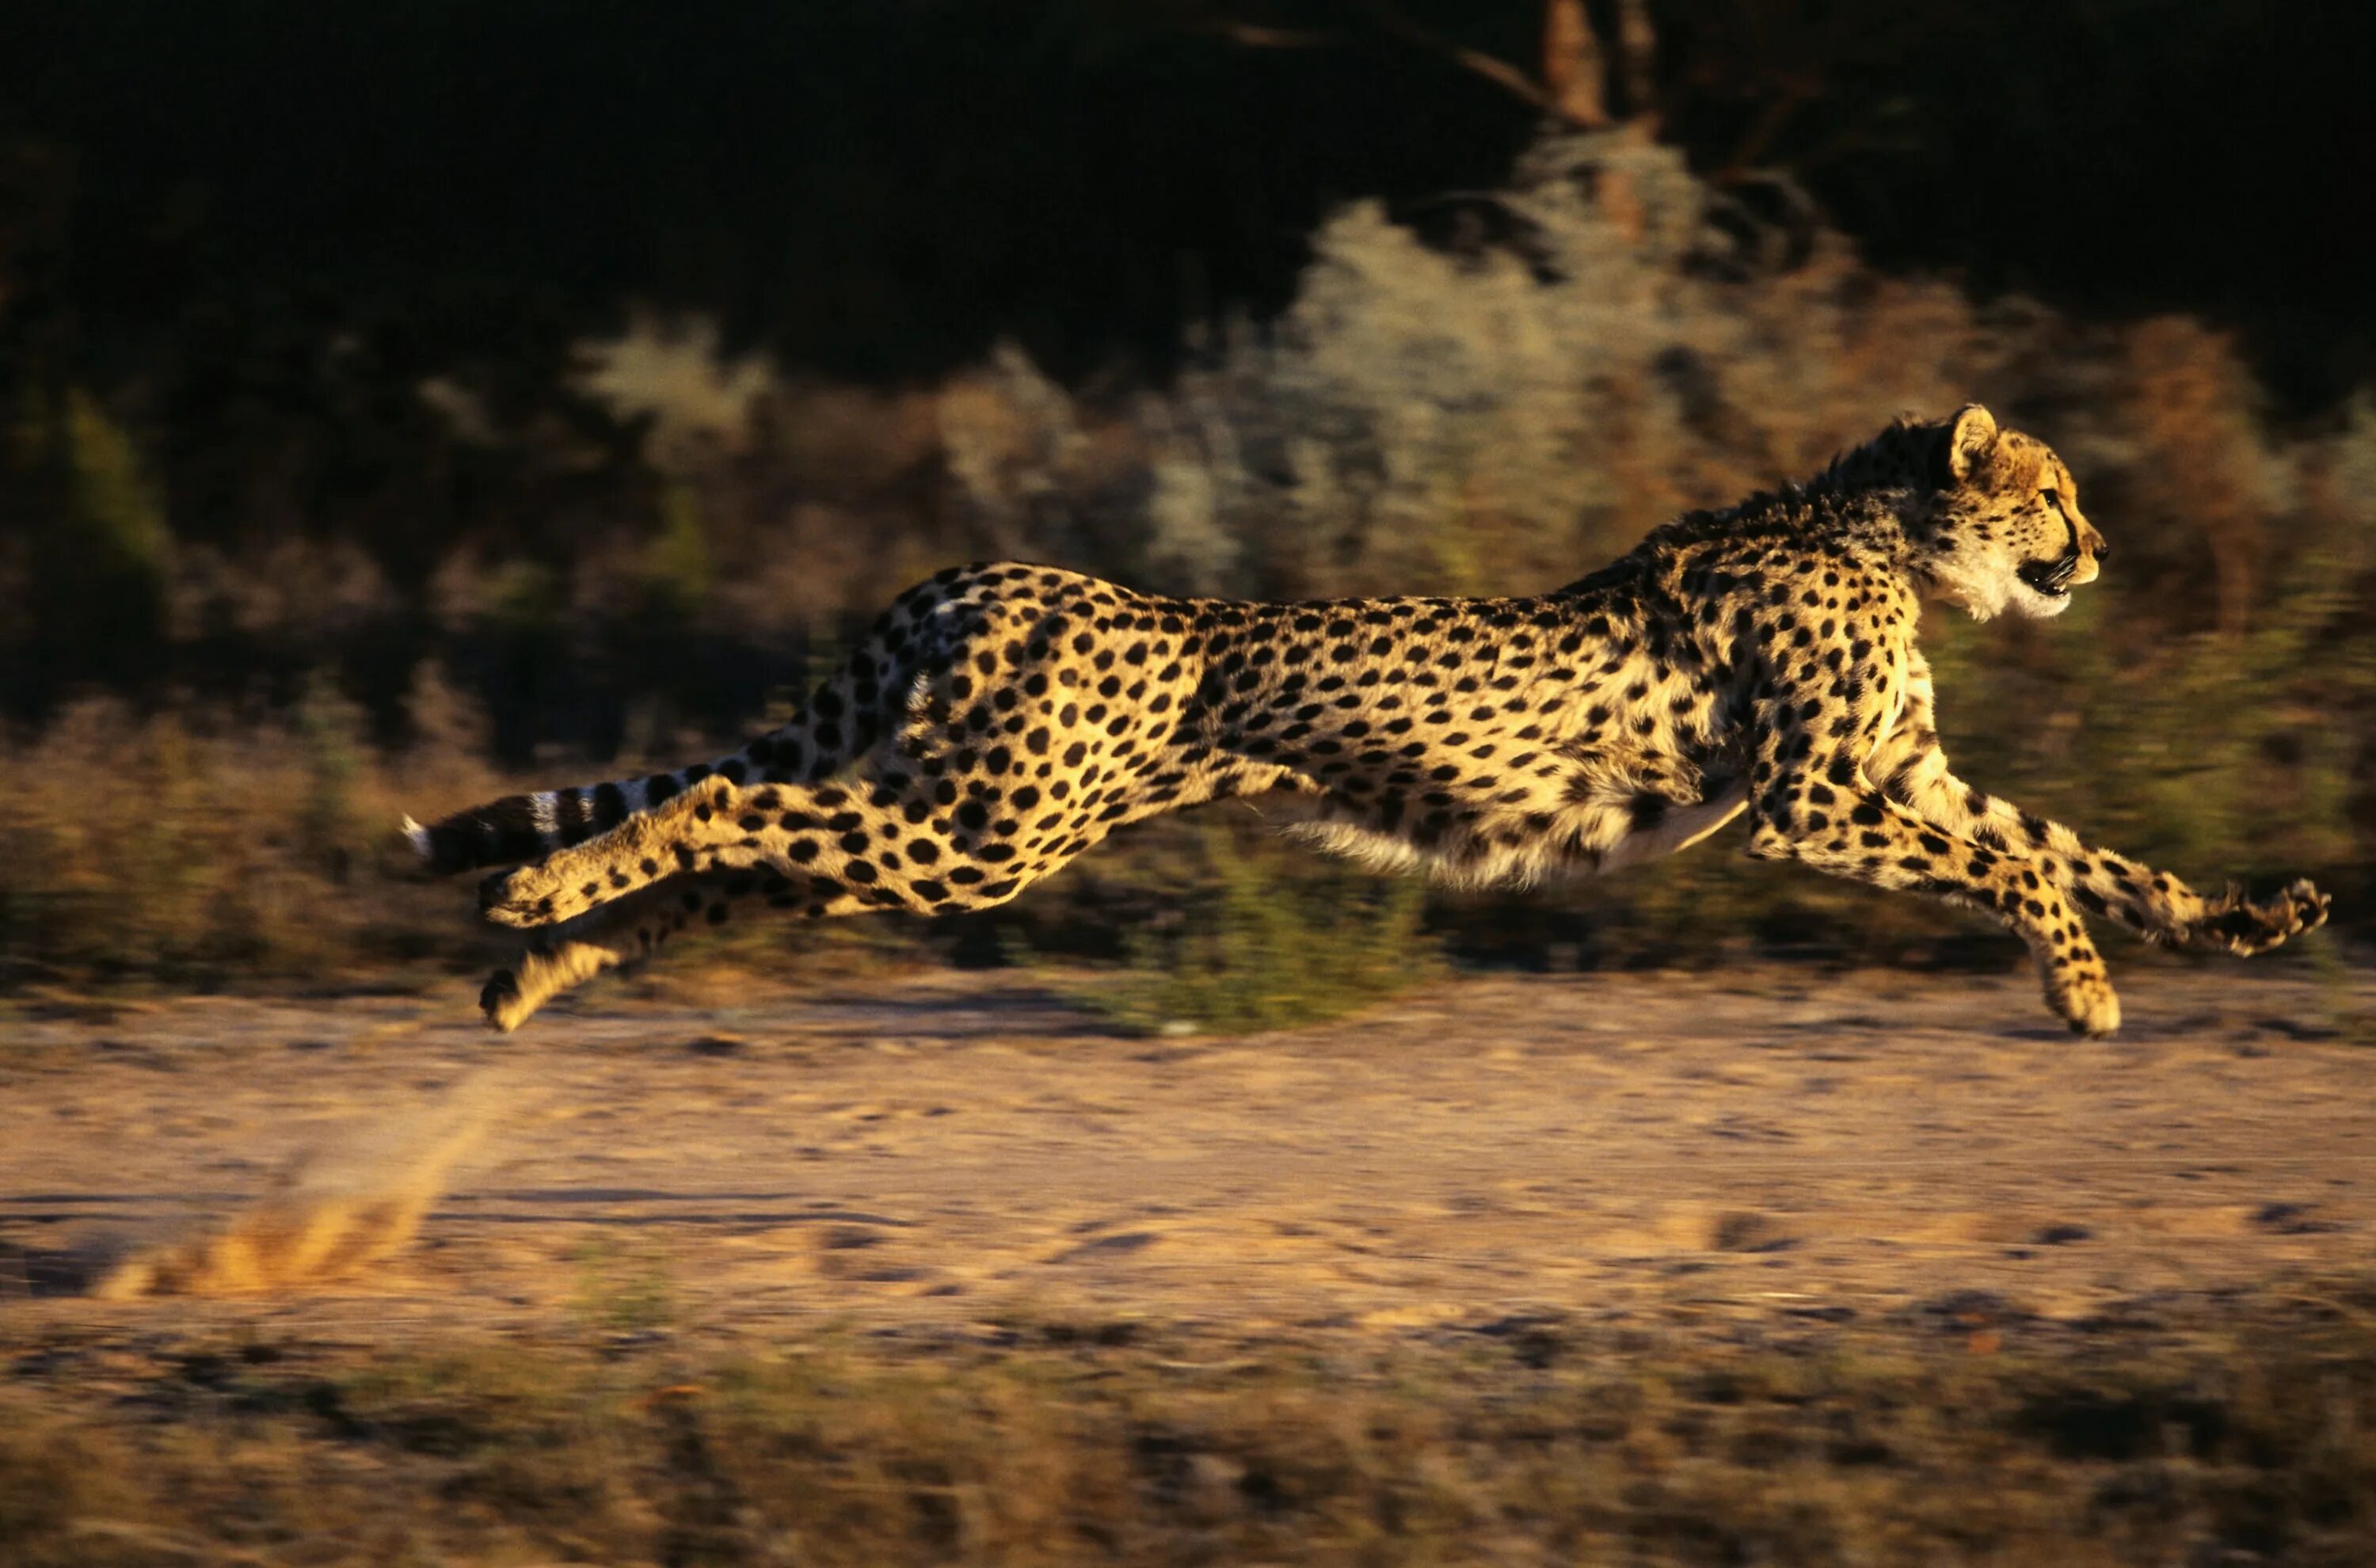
[1867, 520]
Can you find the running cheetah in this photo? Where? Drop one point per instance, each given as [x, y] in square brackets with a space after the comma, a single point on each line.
[1000, 719]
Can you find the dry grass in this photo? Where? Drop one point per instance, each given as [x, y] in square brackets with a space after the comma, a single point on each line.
[2215, 1433]
[201, 851]
[213, 851]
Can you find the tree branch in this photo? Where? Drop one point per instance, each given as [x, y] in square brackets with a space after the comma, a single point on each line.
[1253, 35]
[1500, 72]
[1635, 77]
[1573, 72]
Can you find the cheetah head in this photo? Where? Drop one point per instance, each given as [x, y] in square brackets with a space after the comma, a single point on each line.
[1995, 525]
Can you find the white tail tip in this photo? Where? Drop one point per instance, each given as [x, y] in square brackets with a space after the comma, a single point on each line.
[418, 837]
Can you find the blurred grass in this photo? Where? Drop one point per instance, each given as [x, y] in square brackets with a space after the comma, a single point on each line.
[2231, 1432]
[621, 1289]
[1250, 937]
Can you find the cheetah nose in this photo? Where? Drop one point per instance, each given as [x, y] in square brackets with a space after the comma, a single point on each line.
[2103, 551]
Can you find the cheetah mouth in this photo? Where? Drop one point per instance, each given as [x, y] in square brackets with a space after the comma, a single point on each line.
[2050, 579]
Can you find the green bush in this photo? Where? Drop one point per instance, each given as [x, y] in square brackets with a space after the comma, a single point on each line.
[1260, 938]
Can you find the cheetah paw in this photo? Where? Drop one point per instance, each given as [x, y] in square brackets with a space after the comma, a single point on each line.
[501, 1004]
[512, 996]
[531, 896]
[2236, 924]
[2088, 1003]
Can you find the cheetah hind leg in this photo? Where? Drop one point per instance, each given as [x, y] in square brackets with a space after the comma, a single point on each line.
[624, 862]
[619, 934]
[512, 996]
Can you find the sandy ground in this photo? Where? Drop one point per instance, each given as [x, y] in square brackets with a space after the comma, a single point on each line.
[954, 1147]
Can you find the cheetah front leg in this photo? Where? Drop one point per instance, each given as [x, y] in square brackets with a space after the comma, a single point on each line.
[2155, 904]
[1812, 801]
[1832, 818]
[1912, 769]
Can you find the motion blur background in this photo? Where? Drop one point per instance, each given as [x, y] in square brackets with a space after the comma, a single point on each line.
[405, 403]
[400, 402]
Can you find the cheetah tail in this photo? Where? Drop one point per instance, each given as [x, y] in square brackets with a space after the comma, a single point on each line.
[518, 827]
[528, 828]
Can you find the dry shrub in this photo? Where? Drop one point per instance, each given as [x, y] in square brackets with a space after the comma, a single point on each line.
[2190, 408]
[1425, 420]
[202, 850]
[120, 853]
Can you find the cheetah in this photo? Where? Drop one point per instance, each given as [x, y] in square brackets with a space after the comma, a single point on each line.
[999, 719]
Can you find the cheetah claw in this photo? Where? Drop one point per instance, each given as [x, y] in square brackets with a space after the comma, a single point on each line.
[2234, 924]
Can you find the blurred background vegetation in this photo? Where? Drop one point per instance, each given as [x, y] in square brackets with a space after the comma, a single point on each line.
[396, 406]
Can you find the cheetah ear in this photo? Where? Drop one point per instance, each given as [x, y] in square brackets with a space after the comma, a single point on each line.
[1964, 444]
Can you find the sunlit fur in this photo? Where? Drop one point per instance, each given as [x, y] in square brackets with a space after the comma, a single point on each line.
[1758, 660]
[2007, 503]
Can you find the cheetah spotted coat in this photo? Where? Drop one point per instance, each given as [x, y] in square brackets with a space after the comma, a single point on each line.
[1000, 719]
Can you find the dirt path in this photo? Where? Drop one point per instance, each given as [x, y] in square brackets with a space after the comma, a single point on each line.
[956, 1148]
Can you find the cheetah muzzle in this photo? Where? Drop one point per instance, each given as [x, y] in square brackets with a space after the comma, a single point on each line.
[2051, 578]
[1000, 719]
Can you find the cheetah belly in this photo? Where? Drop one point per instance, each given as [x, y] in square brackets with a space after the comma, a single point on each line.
[1515, 847]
